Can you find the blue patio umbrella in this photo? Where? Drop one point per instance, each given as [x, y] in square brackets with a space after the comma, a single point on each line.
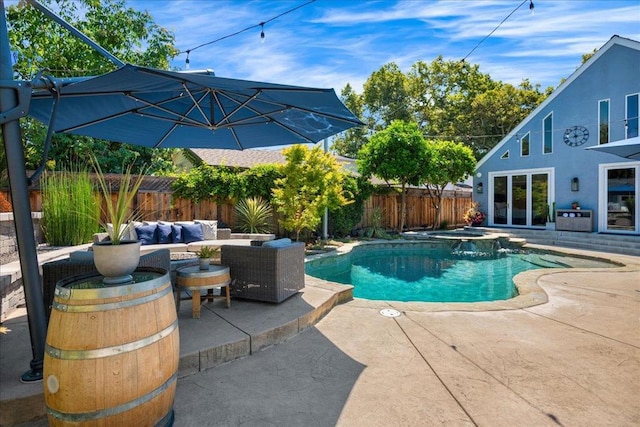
[152, 108]
[156, 108]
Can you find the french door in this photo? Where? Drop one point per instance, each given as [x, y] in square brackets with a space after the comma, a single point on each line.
[520, 198]
[619, 198]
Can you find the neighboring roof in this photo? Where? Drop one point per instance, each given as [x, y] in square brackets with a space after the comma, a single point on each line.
[250, 158]
[615, 40]
[238, 158]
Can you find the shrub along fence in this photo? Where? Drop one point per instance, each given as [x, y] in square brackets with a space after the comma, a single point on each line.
[155, 202]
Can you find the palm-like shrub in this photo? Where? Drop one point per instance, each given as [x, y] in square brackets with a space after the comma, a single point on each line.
[253, 215]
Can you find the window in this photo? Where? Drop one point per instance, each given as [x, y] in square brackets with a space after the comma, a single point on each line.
[632, 115]
[505, 155]
[547, 134]
[603, 121]
[524, 145]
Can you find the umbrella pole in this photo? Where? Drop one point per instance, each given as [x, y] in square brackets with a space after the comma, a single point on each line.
[21, 209]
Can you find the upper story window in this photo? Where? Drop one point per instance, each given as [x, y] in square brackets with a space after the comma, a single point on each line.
[505, 155]
[547, 134]
[603, 121]
[633, 108]
[524, 145]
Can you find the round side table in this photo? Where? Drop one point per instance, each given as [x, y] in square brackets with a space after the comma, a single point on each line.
[195, 280]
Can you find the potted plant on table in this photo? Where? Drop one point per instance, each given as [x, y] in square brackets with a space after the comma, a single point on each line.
[119, 256]
[206, 253]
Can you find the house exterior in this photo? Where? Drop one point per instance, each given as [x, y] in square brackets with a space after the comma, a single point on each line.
[547, 162]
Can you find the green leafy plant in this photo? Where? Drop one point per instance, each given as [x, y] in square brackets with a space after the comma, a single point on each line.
[117, 211]
[207, 252]
[253, 215]
[69, 208]
[376, 229]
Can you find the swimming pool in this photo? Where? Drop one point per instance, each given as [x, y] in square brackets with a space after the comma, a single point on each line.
[422, 272]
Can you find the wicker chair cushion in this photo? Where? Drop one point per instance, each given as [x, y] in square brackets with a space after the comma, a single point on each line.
[277, 243]
[164, 233]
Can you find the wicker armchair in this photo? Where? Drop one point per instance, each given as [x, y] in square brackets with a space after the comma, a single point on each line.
[265, 274]
[54, 271]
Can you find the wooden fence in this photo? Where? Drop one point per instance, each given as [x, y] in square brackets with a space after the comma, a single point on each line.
[160, 205]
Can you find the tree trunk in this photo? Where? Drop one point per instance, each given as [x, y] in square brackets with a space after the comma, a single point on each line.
[403, 208]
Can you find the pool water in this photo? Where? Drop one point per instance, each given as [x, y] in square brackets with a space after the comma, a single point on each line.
[435, 275]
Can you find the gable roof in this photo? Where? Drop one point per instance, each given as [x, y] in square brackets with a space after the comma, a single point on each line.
[615, 40]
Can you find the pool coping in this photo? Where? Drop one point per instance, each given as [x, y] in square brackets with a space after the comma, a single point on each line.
[530, 292]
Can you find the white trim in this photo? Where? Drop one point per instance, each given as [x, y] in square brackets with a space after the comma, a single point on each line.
[615, 40]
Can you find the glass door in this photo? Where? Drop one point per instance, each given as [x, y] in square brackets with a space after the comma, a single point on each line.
[622, 199]
[520, 199]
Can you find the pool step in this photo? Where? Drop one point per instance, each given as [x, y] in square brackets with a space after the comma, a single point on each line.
[621, 244]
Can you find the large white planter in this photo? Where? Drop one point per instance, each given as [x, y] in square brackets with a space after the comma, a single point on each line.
[116, 262]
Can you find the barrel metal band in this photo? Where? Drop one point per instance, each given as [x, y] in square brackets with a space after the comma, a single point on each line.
[68, 308]
[57, 353]
[110, 291]
[109, 412]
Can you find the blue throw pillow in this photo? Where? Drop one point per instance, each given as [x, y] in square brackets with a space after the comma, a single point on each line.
[164, 233]
[176, 234]
[192, 233]
[147, 234]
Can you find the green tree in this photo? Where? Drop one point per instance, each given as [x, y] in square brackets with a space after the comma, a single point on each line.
[257, 181]
[386, 93]
[448, 99]
[451, 162]
[41, 44]
[343, 219]
[349, 142]
[312, 181]
[396, 154]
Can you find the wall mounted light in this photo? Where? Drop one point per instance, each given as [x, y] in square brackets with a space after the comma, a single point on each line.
[479, 188]
[575, 184]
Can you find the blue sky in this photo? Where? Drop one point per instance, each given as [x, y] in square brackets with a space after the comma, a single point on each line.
[329, 43]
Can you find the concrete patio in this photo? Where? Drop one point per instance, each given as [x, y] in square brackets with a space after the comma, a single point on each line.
[574, 360]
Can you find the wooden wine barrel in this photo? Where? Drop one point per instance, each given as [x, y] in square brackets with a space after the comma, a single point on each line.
[111, 354]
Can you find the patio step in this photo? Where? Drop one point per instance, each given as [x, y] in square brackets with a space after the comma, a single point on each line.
[621, 244]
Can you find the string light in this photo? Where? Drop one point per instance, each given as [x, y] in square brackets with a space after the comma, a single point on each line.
[187, 61]
[498, 26]
[261, 25]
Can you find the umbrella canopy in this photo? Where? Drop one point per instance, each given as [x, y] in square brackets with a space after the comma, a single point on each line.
[156, 108]
[627, 148]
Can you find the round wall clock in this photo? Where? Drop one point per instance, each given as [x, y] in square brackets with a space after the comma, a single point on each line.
[576, 135]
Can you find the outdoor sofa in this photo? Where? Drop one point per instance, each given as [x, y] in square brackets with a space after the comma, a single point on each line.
[183, 236]
[265, 271]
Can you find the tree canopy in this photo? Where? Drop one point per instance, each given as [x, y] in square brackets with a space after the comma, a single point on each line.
[41, 44]
[396, 154]
[311, 181]
[448, 99]
[451, 162]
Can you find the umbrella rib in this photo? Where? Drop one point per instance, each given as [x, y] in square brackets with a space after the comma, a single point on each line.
[180, 117]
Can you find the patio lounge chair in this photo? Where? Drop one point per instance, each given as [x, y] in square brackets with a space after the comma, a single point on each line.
[270, 274]
[54, 271]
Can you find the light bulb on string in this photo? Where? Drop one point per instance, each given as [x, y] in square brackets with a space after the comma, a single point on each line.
[187, 60]
[262, 32]
[531, 6]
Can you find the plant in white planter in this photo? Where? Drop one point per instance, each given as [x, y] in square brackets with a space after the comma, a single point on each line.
[118, 257]
[206, 253]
